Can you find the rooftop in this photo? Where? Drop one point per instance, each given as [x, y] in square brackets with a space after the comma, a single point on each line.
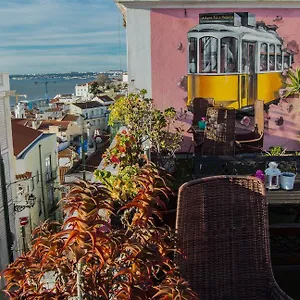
[105, 98]
[89, 104]
[70, 117]
[46, 124]
[53, 109]
[68, 152]
[22, 137]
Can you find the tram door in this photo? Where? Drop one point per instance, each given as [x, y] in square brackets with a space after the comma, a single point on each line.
[248, 82]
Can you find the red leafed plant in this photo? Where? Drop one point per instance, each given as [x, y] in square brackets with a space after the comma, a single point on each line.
[85, 258]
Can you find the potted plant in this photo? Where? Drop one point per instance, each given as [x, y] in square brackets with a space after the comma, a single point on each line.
[287, 168]
[88, 259]
[287, 180]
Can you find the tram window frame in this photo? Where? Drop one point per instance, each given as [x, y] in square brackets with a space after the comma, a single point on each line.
[278, 59]
[271, 58]
[225, 66]
[193, 64]
[265, 55]
[203, 56]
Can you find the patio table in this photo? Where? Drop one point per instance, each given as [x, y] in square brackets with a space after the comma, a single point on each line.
[282, 197]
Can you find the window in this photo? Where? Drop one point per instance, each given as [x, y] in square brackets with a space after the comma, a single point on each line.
[32, 183]
[48, 167]
[208, 57]
[229, 55]
[192, 55]
[37, 177]
[50, 194]
[278, 58]
[286, 61]
[263, 57]
[272, 57]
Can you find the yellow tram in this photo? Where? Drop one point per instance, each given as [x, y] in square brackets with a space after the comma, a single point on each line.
[235, 60]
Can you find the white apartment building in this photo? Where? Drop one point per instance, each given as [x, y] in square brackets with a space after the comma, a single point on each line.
[93, 113]
[83, 91]
[7, 189]
[36, 172]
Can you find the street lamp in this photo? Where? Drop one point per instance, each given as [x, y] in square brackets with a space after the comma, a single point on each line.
[28, 203]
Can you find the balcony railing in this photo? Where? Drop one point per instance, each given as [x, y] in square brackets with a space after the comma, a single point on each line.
[51, 175]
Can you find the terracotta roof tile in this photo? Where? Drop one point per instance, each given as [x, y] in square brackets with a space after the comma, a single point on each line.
[46, 124]
[23, 176]
[105, 98]
[62, 172]
[22, 137]
[70, 117]
[88, 104]
[66, 153]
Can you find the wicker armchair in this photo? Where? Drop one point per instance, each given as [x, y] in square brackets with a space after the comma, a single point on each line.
[219, 134]
[200, 106]
[222, 223]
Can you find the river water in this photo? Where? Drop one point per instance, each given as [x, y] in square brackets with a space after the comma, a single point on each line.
[35, 89]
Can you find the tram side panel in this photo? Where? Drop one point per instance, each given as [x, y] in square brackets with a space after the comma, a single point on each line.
[268, 86]
[224, 89]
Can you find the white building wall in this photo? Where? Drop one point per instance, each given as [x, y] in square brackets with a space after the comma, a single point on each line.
[7, 154]
[31, 163]
[139, 49]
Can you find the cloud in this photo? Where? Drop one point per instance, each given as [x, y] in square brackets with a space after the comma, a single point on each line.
[84, 31]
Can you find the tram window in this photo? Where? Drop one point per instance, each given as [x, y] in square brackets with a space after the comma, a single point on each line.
[229, 55]
[192, 55]
[263, 57]
[208, 56]
[245, 58]
[286, 61]
[278, 58]
[272, 57]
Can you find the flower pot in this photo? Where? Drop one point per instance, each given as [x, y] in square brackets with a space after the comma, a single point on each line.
[287, 180]
[202, 124]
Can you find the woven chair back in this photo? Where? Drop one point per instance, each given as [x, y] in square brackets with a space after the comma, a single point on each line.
[200, 106]
[222, 223]
[219, 134]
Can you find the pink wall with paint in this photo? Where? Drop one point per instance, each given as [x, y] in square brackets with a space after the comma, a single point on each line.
[169, 27]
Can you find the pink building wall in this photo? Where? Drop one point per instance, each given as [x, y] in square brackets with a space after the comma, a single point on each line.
[169, 27]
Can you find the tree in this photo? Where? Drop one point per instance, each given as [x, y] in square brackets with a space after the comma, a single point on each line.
[161, 128]
[94, 89]
[102, 79]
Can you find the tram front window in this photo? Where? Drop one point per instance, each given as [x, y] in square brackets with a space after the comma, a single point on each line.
[192, 55]
[263, 57]
[272, 58]
[229, 55]
[278, 58]
[208, 56]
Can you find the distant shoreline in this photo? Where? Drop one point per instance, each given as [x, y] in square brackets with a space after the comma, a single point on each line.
[66, 76]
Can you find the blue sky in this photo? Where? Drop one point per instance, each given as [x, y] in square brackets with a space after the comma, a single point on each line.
[42, 36]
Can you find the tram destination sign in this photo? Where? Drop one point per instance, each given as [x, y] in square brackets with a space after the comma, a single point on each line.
[232, 19]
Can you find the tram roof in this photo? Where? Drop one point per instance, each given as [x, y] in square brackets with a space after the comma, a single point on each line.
[248, 32]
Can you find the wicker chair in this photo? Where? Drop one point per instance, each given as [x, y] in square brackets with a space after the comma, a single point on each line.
[200, 106]
[222, 223]
[219, 134]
